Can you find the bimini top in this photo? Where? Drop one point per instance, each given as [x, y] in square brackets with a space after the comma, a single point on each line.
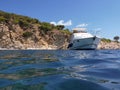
[80, 33]
[79, 30]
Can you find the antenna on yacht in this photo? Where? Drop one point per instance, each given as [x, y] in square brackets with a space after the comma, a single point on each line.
[97, 32]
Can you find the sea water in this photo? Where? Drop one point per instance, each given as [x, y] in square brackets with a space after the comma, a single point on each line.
[60, 70]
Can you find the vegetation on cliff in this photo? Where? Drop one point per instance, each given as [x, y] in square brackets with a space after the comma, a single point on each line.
[106, 40]
[26, 22]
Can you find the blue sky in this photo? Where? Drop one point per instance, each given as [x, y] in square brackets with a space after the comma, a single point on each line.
[95, 15]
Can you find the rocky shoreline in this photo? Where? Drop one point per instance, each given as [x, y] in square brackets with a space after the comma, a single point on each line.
[102, 46]
[109, 45]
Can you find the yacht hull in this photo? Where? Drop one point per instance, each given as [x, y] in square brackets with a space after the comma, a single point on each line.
[84, 44]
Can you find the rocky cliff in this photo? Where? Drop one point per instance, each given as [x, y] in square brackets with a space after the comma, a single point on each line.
[109, 45]
[18, 39]
[21, 32]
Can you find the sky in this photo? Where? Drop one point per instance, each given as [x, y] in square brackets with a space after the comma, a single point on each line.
[100, 17]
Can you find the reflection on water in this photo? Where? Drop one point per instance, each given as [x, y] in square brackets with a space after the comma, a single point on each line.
[60, 70]
[27, 73]
[20, 86]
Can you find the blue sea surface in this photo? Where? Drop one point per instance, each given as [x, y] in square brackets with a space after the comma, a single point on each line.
[60, 70]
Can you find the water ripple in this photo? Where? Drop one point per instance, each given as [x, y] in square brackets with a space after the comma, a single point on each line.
[60, 70]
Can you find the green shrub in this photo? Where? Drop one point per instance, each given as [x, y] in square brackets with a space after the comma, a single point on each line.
[7, 16]
[24, 24]
[2, 19]
[60, 27]
[27, 34]
[46, 27]
[66, 31]
[35, 21]
[106, 40]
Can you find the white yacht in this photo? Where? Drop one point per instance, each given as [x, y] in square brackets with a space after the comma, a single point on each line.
[82, 40]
